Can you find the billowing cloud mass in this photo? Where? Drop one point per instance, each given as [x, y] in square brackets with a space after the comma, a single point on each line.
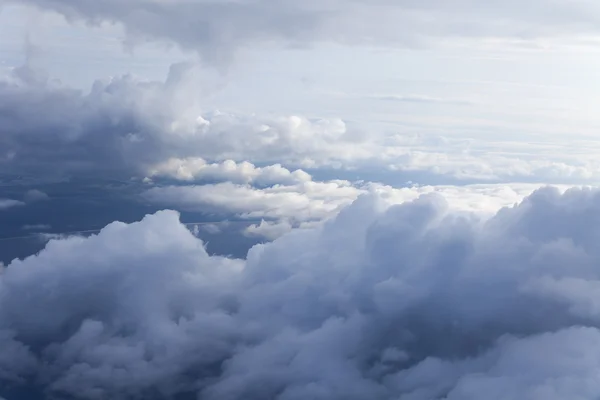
[217, 28]
[407, 249]
[410, 301]
[128, 127]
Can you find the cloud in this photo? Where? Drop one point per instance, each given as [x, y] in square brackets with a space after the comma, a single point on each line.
[383, 301]
[295, 205]
[419, 99]
[282, 208]
[212, 229]
[303, 201]
[34, 195]
[5, 204]
[192, 169]
[93, 134]
[217, 29]
[126, 127]
[36, 227]
[269, 230]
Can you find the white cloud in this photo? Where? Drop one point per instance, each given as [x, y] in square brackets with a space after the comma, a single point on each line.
[303, 201]
[196, 168]
[383, 301]
[418, 99]
[287, 206]
[484, 200]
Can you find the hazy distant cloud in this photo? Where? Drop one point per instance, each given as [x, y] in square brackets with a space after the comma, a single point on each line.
[269, 230]
[36, 227]
[8, 203]
[217, 28]
[35, 195]
[419, 99]
[212, 229]
[384, 301]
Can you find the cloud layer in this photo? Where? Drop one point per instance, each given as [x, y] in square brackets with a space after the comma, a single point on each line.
[415, 293]
[285, 206]
[217, 28]
[384, 301]
[128, 127]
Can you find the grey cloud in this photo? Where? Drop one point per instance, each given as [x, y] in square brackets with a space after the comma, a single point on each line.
[217, 28]
[34, 195]
[57, 130]
[8, 203]
[36, 227]
[125, 127]
[268, 230]
[385, 301]
[214, 28]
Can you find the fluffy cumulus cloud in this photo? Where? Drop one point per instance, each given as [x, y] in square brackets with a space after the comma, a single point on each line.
[217, 28]
[411, 301]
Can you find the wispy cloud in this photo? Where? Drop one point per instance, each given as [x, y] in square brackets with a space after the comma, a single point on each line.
[5, 204]
[419, 99]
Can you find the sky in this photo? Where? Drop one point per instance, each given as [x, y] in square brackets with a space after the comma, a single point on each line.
[273, 199]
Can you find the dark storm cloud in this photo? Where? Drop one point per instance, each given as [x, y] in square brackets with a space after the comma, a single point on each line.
[410, 301]
[49, 129]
